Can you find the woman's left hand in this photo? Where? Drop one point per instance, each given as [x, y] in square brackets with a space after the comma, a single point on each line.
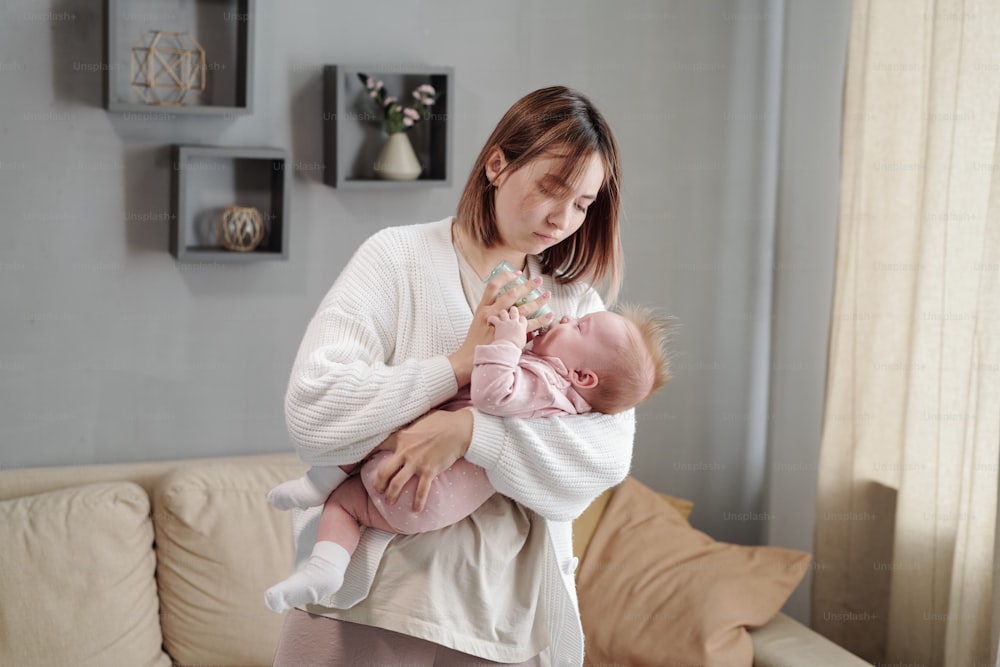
[493, 303]
[424, 448]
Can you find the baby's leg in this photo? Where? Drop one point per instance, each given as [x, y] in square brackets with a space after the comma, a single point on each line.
[337, 536]
[347, 509]
[455, 494]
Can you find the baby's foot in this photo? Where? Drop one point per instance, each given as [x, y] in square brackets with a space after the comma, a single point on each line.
[310, 490]
[322, 575]
[299, 492]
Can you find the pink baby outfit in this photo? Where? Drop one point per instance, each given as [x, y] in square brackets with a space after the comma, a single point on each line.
[506, 382]
[455, 494]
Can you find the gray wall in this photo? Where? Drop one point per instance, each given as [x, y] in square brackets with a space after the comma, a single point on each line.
[111, 351]
[807, 207]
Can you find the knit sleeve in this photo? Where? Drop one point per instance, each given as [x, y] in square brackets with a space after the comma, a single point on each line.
[344, 397]
[555, 465]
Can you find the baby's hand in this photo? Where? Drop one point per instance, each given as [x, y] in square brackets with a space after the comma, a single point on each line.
[510, 326]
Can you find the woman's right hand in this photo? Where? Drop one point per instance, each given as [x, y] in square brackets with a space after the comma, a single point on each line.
[423, 449]
[481, 331]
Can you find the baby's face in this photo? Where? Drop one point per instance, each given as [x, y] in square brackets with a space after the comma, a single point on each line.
[581, 342]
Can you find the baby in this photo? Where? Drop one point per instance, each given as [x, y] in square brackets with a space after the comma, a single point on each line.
[606, 362]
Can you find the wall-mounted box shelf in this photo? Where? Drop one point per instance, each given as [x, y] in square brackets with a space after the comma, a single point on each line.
[206, 179]
[352, 128]
[224, 28]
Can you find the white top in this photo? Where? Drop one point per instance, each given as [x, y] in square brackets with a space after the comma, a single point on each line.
[374, 357]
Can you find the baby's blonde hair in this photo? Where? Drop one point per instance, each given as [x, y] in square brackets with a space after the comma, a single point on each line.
[634, 371]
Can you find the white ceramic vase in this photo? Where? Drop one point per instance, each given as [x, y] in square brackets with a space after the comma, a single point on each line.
[397, 161]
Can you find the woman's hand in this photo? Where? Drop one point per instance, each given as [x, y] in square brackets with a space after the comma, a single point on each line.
[423, 448]
[481, 332]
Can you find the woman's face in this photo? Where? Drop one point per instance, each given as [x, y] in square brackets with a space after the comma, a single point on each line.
[535, 209]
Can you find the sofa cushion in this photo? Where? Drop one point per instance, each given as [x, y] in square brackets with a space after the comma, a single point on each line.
[655, 591]
[76, 576]
[220, 545]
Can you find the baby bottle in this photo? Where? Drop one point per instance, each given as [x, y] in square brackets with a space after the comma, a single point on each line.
[533, 294]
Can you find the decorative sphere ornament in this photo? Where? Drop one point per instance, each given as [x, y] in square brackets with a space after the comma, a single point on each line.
[240, 228]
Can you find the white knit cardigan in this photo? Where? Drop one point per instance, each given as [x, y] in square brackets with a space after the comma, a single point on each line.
[374, 357]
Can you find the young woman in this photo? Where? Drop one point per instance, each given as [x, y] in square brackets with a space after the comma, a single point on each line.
[394, 337]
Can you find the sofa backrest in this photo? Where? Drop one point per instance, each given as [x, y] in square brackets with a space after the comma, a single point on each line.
[201, 526]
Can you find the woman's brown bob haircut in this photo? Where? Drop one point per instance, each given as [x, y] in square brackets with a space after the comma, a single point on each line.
[556, 121]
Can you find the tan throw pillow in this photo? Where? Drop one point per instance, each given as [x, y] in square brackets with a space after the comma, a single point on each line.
[585, 524]
[77, 578]
[654, 591]
[220, 545]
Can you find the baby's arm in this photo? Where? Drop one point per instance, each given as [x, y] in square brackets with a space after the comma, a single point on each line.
[510, 327]
[500, 386]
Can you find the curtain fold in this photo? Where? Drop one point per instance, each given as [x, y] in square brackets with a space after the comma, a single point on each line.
[906, 511]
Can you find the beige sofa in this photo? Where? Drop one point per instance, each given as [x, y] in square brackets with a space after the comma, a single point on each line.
[165, 563]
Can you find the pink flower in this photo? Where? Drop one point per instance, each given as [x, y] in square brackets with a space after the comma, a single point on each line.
[389, 101]
[424, 94]
[407, 121]
[411, 113]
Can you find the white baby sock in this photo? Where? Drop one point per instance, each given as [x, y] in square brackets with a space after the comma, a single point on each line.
[322, 575]
[310, 490]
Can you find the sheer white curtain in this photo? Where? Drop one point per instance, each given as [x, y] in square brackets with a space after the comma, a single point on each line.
[906, 519]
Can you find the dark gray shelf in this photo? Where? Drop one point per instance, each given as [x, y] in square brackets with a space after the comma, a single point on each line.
[353, 135]
[206, 179]
[224, 28]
